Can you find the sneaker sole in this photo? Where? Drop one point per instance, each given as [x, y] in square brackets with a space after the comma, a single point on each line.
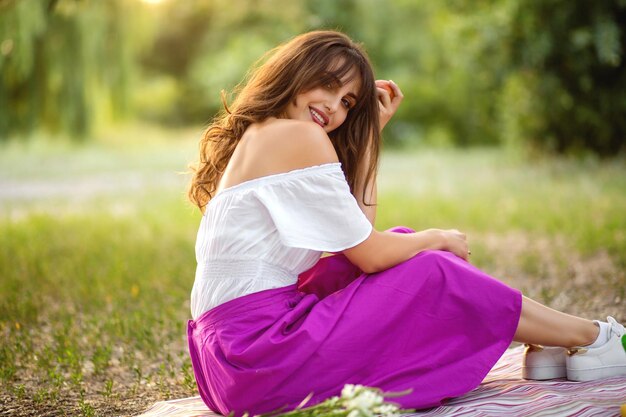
[541, 373]
[582, 375]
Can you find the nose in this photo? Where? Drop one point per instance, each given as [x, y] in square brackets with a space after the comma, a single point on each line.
[332, 104]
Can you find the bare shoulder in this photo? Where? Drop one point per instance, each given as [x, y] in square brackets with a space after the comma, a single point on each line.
[291, 144]
[276, 146]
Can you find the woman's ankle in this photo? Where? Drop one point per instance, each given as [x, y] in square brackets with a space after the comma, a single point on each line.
[590, 334]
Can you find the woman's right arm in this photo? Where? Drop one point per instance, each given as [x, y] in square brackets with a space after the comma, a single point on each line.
[383, 250]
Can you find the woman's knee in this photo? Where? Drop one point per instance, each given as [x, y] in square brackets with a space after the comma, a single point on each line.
[433, 262]
[434, 256]
[400, 229]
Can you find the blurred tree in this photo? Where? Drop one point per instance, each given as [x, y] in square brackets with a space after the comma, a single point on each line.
[568, 90]
[452, 64]
[209, 49]
[63, 63]
[547, 72]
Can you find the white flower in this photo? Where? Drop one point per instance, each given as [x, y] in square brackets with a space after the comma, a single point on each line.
[387, 410]
[349, 390]
[354, 413]
[332, 401]
[365, 400]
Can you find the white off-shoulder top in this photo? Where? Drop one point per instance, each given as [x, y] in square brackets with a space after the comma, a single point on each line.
[263, 233]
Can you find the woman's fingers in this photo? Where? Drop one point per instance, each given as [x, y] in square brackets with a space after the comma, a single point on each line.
[389, 92]
[383, 96]
[397, 93]
[392, 89]
[458, 243]
[389, 98]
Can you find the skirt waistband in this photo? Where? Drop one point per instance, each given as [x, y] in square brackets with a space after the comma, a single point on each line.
[245, 303]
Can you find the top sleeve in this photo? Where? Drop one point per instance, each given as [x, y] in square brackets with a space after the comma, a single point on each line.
[315, 210]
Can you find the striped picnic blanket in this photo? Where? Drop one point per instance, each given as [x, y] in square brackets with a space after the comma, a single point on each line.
[502, 393]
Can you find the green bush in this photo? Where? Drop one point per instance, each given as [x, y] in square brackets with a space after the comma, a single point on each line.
[569, 57]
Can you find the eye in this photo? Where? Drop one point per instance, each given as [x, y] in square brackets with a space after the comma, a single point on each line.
[347, 104]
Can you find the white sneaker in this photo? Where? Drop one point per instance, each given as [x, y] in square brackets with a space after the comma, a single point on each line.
[588, 364]
[543, 362]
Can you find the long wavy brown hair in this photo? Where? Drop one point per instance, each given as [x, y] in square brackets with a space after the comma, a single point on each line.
[308, 61]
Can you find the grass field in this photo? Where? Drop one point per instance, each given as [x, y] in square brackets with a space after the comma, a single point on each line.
[97, 261]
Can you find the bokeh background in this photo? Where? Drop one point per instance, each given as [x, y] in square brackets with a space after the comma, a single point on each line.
[513, 129]
[549, 73]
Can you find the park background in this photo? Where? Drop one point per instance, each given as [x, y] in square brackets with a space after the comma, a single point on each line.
[513, 129]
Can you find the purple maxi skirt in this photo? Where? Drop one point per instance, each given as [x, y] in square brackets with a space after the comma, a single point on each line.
[434, 324]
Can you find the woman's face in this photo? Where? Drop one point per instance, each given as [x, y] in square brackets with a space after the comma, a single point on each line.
[327, 106]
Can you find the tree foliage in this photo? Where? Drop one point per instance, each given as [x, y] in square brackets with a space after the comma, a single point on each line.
[544, 72]
[64, 63]
[569, 57]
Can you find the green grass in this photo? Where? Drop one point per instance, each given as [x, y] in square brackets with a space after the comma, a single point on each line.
[97, 260]
[490, 191]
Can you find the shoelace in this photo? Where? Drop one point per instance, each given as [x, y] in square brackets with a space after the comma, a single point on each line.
[616, 328]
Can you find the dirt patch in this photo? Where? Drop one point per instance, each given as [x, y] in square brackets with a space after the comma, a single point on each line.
[551, 271]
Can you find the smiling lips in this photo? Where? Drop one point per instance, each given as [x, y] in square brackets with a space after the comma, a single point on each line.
[318, 117]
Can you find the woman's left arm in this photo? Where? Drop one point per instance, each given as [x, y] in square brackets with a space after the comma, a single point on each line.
[370, 194]
[389, 98]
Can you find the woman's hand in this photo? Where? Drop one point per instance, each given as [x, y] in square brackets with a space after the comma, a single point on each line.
[389, 98]
[453, 241]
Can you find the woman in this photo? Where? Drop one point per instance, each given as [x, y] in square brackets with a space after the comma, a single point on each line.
[289, 172]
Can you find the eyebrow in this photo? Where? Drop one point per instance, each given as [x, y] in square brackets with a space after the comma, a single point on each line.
[350, 94]
[341, 83]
